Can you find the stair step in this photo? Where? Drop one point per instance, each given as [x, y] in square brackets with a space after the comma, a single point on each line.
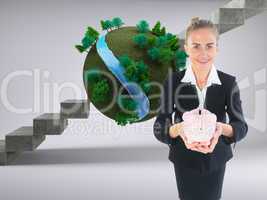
[7, 157]
[251, 7]
[22, 139]
[73, 108]
[49, 124]
[228, 18]
[222, 28]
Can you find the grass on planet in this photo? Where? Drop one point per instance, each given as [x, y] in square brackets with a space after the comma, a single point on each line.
[120, 42]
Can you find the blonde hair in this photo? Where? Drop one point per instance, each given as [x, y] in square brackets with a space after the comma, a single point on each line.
[197, 23]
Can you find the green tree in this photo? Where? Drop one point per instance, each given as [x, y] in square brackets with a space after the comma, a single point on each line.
[152, 41]
[135, 71]
[87, 41]
[131, 72]
[173, 41]
[154, 53]
[142, 67]
[117, 22]
[123, 118]
[163, 31]
[80, 48]
[170, 36]
[91, 32]
[143, 26]
[130, 115]
[145, 85]
[125, 61]
[109, 24]
[100, 91]
[141, 40]
[166, 55]
[180, 59]
[127, 103]
[174, 44]
[106, 25]
[92, 76]
[156, 28]
[161, 41]
[143, 77]
[103, 25]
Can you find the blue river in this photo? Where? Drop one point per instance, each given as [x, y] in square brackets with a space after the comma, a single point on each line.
[113, 64]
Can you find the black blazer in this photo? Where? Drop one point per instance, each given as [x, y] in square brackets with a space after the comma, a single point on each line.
[178, 97]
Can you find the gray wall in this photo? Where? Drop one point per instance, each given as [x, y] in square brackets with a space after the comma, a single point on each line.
[40, 35]
[106, 161]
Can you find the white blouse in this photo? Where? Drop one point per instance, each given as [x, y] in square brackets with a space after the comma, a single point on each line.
[190, 77]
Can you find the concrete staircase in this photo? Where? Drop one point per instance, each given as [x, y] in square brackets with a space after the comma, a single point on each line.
[28, 138]
[232, 15]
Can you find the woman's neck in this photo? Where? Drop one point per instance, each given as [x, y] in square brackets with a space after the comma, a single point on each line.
[201, 76]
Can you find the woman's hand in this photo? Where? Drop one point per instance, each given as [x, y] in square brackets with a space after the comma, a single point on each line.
[177, 130]
[214, 140]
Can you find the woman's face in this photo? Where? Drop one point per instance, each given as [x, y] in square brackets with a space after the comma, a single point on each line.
[201, 48]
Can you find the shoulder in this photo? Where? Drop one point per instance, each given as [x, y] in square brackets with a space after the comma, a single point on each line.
[225, 78]
[178, 75]
[174, 76]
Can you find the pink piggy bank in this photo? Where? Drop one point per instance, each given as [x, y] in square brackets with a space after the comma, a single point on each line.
[199, 125]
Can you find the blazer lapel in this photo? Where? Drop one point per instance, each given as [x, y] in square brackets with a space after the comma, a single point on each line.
[214, 97]
[187, 99]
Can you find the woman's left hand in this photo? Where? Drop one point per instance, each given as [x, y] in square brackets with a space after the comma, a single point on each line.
[214, 140]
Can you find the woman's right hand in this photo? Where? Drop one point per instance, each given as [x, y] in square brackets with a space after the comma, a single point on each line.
[177, 130]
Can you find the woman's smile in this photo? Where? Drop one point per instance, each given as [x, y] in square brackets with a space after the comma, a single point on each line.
[203, 62]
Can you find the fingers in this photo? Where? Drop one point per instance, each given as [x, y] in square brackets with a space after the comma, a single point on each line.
[205, 143]
[203, 148]
[192, 145]
[214, 141]
[218, 130]
[187, 143]
[197, 146]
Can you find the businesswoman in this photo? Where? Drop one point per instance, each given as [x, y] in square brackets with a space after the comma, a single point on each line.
[200, 167]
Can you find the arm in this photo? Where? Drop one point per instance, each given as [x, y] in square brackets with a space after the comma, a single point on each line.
[164, 120]
[175, 130]
[227, 130]
[237, 128]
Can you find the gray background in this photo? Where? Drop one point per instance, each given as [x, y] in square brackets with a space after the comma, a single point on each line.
[95, 158]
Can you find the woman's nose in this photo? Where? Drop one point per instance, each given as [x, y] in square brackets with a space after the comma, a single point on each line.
[203, 52]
